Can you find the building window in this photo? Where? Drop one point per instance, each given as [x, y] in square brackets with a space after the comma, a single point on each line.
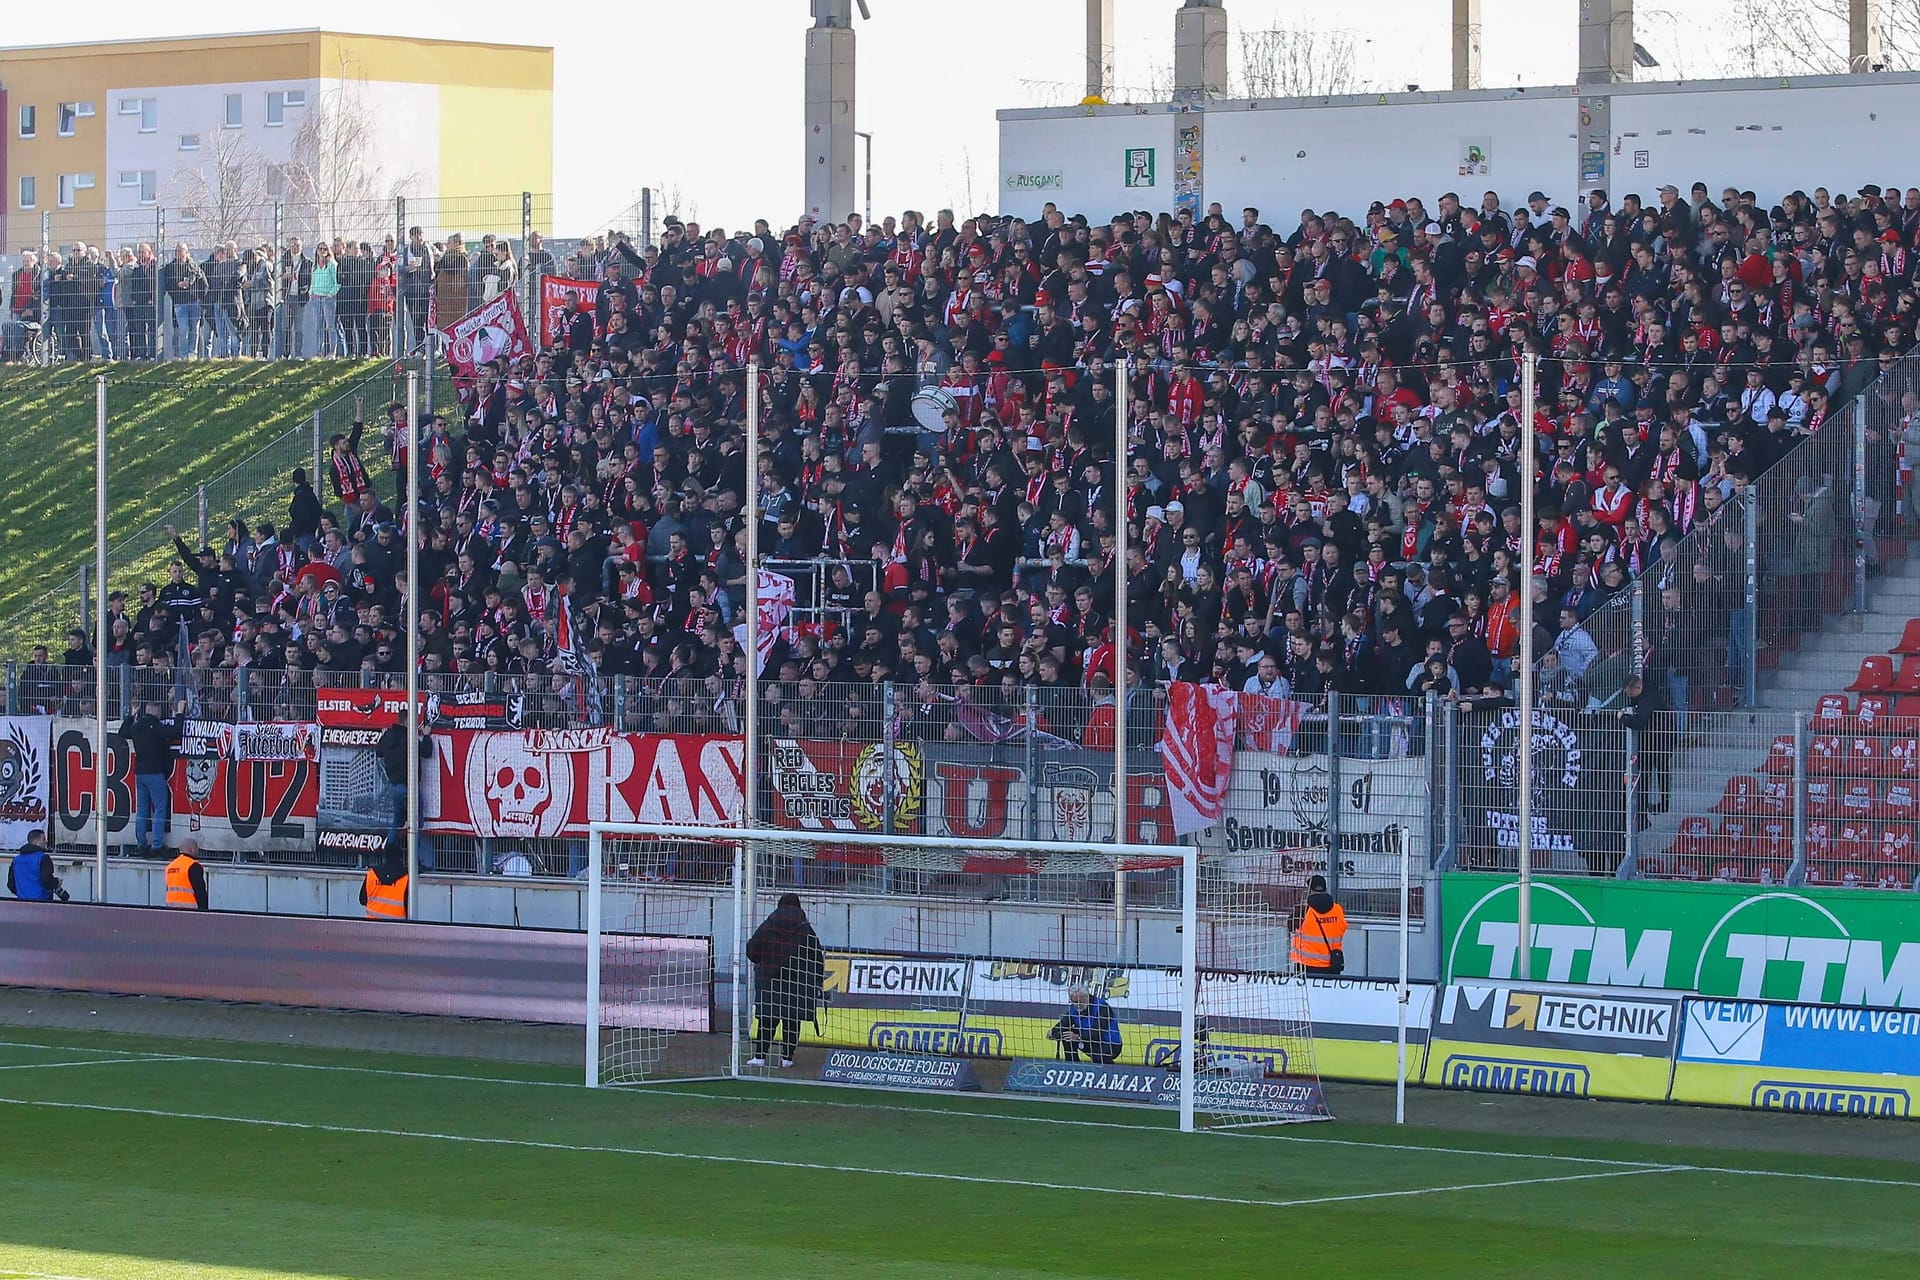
[146, 181]
[29, 192]
[72, 182]
[148, 109]
[69, 112]
[278, 100]
[29, 122]
[233, 118]
[189, 142]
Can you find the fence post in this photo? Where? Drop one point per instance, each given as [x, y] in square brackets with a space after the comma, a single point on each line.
[1031, 764]
[646, 219]
[1630, 848]
[889, 794]
[46, 280]
[1430, 741]
[1639, 603]
[159, 296]
[1751, 623]
[533, 274]
[620, 704]
[1799, 866]
[319, 452]
[13, 687]
[86, 597]
[431, 343]
[1862, 527]
[1452, 783]
[399, 263]
[1333, 793]
[243, 695]
[200, 512]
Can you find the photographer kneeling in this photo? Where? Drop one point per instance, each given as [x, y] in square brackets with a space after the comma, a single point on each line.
[1089, 1029]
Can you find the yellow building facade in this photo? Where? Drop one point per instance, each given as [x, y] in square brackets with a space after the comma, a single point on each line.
[118, 141]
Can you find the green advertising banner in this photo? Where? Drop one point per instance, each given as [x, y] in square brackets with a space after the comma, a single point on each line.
[1748, 942]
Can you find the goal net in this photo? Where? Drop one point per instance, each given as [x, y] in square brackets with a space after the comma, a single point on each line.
[1140, 974]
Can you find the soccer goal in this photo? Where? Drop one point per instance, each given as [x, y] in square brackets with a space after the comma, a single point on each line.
[1132, 974]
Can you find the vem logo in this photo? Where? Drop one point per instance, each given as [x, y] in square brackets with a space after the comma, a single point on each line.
[1837, 1100]
[1511, 1075]
[921, 1037]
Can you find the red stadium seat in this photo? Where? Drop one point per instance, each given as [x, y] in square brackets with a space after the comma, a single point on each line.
[1832, 707]
[1779, 756]
[1742, 795]
[1896, 843]
[1826, 754]
[1876, 675]
[1691, 840]
[1908, 681]
[1902, 758]
[1900, 803]
[1821, 802]
[1873, 708]
[1909, 639]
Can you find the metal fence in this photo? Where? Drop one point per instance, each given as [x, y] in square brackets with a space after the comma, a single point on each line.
[262, 307]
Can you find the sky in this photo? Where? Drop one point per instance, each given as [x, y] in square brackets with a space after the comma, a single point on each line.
[706, 96]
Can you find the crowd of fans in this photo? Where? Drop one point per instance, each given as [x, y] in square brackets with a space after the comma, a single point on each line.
[1320, 487]
[337, 298]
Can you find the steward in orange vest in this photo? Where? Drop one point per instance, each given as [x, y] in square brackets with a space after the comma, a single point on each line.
[384, 891]
[187, 879]
[1320, 931]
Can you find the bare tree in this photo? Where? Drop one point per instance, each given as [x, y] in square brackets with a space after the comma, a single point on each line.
[1773, 38]
[227, 195]
[336, 184]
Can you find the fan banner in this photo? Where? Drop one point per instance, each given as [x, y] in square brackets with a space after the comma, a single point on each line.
[229, 804]
[540, 784]
[24, 779]
[560, 298]
[774, 594]
[1197, 751]
[486, 333]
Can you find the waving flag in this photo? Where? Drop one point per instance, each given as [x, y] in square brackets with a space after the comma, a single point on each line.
[773, 596]
[1268, 724]
[1197, 750]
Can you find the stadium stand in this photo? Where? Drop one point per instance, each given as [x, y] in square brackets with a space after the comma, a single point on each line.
[1321, 483]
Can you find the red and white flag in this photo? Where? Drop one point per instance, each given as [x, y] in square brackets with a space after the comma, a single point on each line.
[489, 331]
[774, 597]
[560, 297]
[1196, 748]
[1268, 724]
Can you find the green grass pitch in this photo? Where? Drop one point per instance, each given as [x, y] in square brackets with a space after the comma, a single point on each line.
[138, 1157]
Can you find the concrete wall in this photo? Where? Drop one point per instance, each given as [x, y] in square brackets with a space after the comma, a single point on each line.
[908, 924]
[1344, 153]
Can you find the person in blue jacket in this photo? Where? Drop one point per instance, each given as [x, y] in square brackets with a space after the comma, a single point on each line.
[30, 875]
[1089, 1029]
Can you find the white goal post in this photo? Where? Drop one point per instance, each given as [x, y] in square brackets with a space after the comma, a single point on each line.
[1187, 1002]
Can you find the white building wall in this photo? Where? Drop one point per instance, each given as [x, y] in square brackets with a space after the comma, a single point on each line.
[1344, 153]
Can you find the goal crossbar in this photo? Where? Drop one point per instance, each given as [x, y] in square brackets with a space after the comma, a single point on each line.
[1158, 855]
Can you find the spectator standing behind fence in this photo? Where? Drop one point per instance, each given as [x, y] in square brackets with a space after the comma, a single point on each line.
[296, 278]
[256, 302]
[30, 876]
[416, 285]
[223, 301]
[108, 336]
[184, 285]
[397, 763]
[789, 970]
[154, 741]
[139, 286]
[355, 265]
[323, 300]
[382, 292]
[23, 306]
[450, 283]
[1647, 715]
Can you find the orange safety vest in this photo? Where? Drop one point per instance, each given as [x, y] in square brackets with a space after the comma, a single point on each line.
[179, 887]
[1319, 935]
[386, 901]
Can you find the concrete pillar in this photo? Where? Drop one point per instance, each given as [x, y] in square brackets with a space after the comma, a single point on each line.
[829, 112]
[1466, 44]
[1606, 42]
[1863, 36]
[1099, 48]
[1200, 49]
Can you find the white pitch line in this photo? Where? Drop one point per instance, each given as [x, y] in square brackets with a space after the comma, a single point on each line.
[667, 1091]
[1490, 1186]
[87, 1062]
[655, 1153]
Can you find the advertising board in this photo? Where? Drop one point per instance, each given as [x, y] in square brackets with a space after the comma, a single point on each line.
[1580, 1042]
[1736, 941]
[1795, 1057]
[1004, 1008]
